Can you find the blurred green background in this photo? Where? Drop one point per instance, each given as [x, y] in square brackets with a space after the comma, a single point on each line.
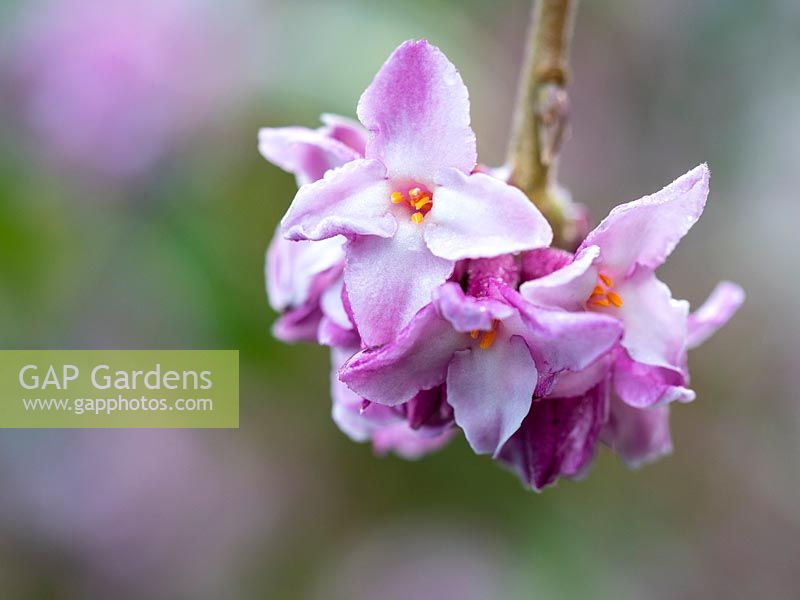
[135, 211]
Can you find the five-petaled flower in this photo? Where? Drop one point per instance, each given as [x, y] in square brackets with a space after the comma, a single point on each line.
[614, 273]
[621, 399]
[412, 206]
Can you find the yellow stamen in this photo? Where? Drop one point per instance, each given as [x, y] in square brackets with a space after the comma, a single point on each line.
[487, 339]
[422, 202]
[417, 217]
[474, 334]
[598, 291]
[397, 197]
[614, 298]
[415, 193]
[606, 279]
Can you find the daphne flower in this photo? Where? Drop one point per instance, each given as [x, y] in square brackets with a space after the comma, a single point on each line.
[614, 274]
[412, 207]
[304, 278]
[641, 435]
[410, 430]
[492, 350]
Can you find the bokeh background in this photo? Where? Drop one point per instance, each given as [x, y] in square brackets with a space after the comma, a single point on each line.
[135, 211]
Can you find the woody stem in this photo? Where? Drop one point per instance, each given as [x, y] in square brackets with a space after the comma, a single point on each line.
[540, 115]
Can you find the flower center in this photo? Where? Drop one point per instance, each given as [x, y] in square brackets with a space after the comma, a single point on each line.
[418, 199]
[486, 337]
[603, 294]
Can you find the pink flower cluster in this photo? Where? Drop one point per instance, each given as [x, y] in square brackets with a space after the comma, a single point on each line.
[446, 308]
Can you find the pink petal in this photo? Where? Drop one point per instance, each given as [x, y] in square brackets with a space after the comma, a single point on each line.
[478, 216]
[352, 422]
[646, 231]
[332, 304]
[389, 280]
[466, 313]
[417, 112]
[642, 386]
[298, 325]
[347, 405]
[638, 435]
[717, 310]
[345, 130]
[351, 200]
[571, 385]
[333, 335]
[655, 323]
[408, 443]
[491, 391]
[335, 327]
[306, 153]
[561, 340]
[386, 427]
[293, 267]
[416, 360]
[569, 287]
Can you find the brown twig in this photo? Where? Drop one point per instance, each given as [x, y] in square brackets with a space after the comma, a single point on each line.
[540, 116]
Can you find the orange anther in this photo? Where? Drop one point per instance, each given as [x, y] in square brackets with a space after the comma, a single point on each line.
[474, 334]
[600, 302]
[598, 291]
[422, 202]
[606, 280]
[487, 339]
[614, 298]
